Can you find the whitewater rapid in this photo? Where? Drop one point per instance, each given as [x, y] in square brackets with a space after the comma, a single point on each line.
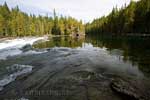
[11, 47]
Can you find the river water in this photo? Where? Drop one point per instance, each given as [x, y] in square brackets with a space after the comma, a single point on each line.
[67, 68]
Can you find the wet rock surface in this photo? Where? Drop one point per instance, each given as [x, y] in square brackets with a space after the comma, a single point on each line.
[72, 74]
[26, 48]
[132, 89]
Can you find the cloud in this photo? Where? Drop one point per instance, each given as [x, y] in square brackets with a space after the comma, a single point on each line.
[80, 9]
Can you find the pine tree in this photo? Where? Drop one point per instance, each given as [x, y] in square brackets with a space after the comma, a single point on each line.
[17, 23]
[133, 18]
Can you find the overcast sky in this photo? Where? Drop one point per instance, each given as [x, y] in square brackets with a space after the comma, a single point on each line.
[80, 9]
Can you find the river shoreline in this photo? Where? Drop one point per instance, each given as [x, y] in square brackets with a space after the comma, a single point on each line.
[67, 68]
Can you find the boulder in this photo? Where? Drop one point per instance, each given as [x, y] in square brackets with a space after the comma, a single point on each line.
[26, 48]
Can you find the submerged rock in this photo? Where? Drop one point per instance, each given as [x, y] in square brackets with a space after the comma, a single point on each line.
[15, 71]
[26, 48]
[131, 89]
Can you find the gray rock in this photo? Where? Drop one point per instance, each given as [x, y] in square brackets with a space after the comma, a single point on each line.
[133, 89]
[26, 48]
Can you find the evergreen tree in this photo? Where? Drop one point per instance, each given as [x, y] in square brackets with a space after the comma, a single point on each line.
[134, 18]
[16, 23]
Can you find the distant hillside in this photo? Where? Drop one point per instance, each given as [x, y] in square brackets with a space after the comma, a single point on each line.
[134, 18]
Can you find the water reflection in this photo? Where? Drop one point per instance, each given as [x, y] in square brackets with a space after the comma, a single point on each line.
[60, 41]
[135, 50]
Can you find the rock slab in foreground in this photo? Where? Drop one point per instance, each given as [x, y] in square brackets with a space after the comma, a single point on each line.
[132, 89]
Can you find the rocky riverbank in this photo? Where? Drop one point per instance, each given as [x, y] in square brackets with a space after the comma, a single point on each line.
[74, 74]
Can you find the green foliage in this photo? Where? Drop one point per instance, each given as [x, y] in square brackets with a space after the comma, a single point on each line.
[16, 23]
[134, 18]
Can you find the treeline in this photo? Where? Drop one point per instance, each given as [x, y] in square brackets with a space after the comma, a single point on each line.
[131, 19]
[14, 22]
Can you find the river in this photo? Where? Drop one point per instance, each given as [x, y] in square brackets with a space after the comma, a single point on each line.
[67, 68]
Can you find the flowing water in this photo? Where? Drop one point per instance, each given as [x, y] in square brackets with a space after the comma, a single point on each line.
[68, 68]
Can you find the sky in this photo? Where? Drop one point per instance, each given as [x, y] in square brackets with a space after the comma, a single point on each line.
[85, 10]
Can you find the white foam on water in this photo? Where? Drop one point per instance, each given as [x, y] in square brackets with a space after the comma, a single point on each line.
[12, 47]
[19, 70]
[19, 42]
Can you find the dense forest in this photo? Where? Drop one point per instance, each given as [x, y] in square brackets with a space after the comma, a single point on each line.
[132, 19]
[14, 22]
